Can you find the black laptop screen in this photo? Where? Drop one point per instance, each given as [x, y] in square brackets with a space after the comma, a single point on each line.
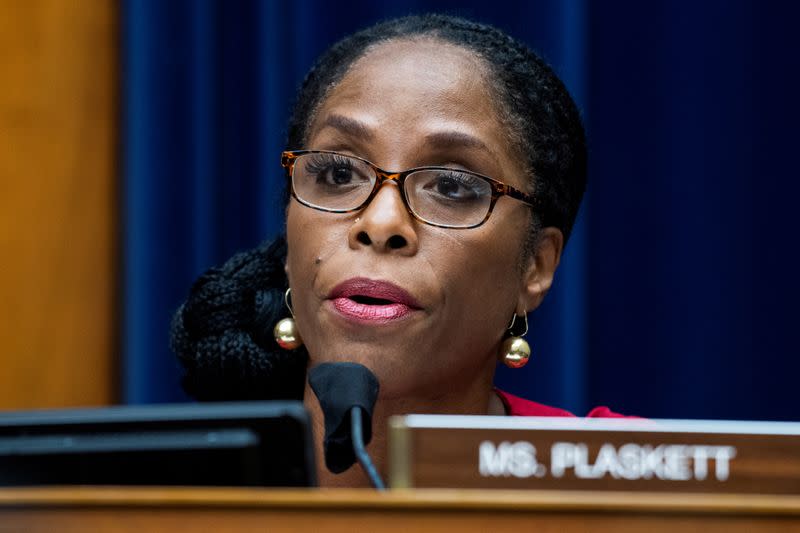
[230, 444]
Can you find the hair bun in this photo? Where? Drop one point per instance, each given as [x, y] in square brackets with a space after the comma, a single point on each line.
[222, 334]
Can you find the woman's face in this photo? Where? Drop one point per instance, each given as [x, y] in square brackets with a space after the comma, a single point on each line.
[449, 294]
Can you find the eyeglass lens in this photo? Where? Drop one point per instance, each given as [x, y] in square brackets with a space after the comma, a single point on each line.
[336, 182]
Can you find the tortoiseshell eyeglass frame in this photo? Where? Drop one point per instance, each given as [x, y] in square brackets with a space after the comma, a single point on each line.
[499, 188]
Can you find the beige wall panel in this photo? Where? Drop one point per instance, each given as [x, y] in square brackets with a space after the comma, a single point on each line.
[58, 145]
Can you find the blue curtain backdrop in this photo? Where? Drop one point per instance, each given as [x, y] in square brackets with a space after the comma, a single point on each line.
[677, 295]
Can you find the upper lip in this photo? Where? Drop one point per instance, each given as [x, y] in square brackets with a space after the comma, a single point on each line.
[382, 290]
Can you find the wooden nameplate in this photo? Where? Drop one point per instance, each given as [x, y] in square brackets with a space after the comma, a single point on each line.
[440, 451]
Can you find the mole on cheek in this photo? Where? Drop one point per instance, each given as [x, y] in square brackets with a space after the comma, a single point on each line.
[318, 260]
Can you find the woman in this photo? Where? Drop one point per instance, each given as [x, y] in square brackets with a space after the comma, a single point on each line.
[424, 272]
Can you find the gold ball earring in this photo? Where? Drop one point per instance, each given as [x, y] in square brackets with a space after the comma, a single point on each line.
[286, 333]
[515, 351]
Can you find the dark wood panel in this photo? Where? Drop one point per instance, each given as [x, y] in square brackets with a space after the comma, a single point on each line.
[58, 131]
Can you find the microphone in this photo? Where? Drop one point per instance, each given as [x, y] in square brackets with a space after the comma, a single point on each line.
[347, 394]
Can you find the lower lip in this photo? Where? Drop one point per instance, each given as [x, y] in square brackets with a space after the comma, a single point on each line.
[374, 314]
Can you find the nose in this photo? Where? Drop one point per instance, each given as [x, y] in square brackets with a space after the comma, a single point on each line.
[385, 225]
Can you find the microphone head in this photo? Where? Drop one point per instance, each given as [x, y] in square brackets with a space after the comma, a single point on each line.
[340, 387]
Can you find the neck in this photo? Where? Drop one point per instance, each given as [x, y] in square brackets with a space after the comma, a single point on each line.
[478, 399]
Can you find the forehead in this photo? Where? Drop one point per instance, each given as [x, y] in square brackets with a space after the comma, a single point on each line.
[404, 91]
[423, 67]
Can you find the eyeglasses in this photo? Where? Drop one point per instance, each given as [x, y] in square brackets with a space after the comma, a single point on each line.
[440, 196]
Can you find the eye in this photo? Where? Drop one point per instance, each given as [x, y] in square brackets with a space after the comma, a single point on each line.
[455, 186]
[335, 171]
[341, 175]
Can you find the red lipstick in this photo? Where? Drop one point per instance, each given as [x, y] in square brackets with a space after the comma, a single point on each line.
[371, 301]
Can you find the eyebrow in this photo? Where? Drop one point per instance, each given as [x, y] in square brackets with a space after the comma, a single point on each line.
[448, 139]
[455, 139]
[349, 126]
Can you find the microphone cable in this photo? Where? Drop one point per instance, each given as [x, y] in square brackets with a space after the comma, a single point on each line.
[362, 456]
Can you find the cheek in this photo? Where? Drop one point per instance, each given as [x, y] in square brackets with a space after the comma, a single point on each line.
[485, 290]
[304, 248]
[486, 260]
[309, 239]
[312, 238]
[482, 281]
[301, 265]
[296, 226]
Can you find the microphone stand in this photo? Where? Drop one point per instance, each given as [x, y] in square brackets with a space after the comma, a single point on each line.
[360, 450]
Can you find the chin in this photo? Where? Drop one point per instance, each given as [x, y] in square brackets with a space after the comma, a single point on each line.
[390, 370]
[344, 354]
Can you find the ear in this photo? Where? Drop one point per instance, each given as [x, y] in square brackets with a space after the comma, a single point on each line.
[541, 268]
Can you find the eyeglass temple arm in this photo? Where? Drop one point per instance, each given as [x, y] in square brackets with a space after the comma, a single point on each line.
[502, 188]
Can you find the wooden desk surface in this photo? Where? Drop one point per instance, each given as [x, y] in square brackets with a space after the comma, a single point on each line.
[219, 510]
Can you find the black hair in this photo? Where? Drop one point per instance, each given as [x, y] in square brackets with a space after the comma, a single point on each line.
[222, 334]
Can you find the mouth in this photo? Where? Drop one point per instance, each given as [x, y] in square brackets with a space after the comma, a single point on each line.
[370, 301]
